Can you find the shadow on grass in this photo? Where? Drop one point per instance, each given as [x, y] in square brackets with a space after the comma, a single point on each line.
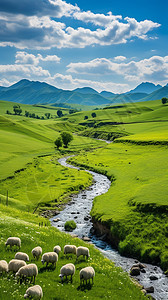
[48, 269]
[85, 287]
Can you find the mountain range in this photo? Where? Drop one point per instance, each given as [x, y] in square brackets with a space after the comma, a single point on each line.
[35, 92]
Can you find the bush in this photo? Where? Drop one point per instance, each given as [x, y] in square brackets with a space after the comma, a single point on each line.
[70, 225]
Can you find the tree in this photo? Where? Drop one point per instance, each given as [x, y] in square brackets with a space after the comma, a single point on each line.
[27, 113]
[72, 111]
[47, 115]
[59, 113]
[8, 112]
[17, 110]
[85, 117]
[93, 115]
[58, 142]
[66, 138]
[164, 100]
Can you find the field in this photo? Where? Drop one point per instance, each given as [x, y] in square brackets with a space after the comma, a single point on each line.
[110, 282]
[134, 209]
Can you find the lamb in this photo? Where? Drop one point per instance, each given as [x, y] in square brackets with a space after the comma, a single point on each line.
[3, 266]
[57, 249]
[28, 271]
[69, 249]
[50, 257]
[86, 273]
[82, 251]
[66, 270]
[22, 256]
[34, 292]
[15, 265]
[36, 252]
[13, 241]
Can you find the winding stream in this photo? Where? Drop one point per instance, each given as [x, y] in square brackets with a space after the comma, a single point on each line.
[79, 211]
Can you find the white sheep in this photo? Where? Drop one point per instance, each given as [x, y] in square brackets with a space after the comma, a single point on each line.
[36, 252]
[28, 271]
[69, 249]
[50, 257]
[22, 256]
[57, 249]
[34, 292]
[86, 274]
[15, 265]
[66, 270]
[13, 241]
[3, 266]
[82, 251]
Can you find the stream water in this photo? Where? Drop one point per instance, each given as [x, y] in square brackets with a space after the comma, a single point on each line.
[79, 209]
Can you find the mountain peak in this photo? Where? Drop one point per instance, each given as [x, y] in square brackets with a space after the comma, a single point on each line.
[146, 87]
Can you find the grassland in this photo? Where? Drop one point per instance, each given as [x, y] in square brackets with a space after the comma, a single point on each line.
[134, 209]
[110, 282]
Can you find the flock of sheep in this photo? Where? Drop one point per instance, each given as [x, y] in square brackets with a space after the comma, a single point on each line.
[23, 271]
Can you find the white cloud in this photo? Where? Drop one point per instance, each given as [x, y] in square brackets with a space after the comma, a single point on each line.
[42, 32]
[68, 82]
[120, 58]
[26, 58]
[153, 69]
[23, 70]
[96, 19]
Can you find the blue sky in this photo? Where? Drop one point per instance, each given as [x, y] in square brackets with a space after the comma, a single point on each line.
[107, 45]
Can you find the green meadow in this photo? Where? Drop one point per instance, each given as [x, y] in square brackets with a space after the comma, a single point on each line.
[134, 209]
[109, 283]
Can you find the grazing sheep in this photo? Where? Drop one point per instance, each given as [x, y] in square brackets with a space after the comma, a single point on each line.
[13, 241]
[3, 266]
[15, 265]
[36, 252]
[82, 251]
[69, 249]
[66, 270]
[34, 292]
[50, 257]
[28, 271]
[86, 273]
[57, 249]
[22, 256]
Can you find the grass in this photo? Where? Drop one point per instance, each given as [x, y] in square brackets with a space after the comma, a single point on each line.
[138, 192]
[110, 282]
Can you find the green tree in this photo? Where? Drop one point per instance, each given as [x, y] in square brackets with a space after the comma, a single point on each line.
[164, 100]
[66, 138]
[58, 142]
[17, 110]
[47, 115]
[8, 112]
[85, 117]
[93, 115]
[59, 113]
[27, 113]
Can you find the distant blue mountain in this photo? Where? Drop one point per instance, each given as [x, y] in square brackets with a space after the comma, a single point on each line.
[35, 92]
[145, 87]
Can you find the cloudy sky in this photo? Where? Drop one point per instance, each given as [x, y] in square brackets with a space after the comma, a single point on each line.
[107, 45]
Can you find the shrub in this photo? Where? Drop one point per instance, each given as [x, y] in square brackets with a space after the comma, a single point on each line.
[70, 225]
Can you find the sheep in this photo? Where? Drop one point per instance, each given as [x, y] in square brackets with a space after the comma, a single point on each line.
[82, 251]
[36, 252]
[57, 249]
[86, 273]
[15, 265]
[69, 249]
[66, 270]
[13, 241]
[22, 256]
[50, 257]
[3, 266]
[28, 271]
[34, 292]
